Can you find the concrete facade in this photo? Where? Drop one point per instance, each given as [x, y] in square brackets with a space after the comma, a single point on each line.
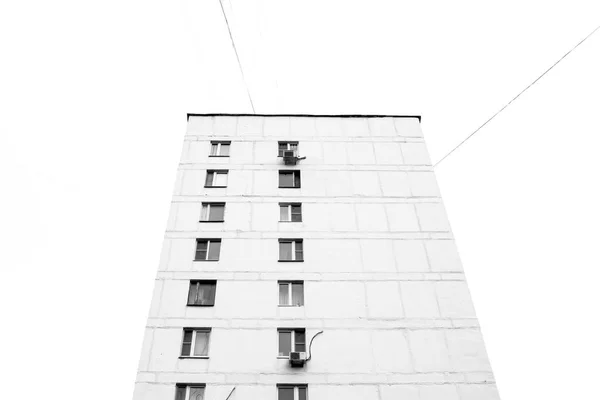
[382, 277]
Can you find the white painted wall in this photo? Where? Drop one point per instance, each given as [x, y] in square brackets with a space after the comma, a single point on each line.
[382, 276]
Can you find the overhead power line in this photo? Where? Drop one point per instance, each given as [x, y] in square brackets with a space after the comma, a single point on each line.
[237, 56]
[516, 97]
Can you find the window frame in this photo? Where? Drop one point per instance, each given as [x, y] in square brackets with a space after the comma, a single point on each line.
[188, 387]
[219, 144]
[208, 206]
[193, 342]
[211, 301]
[208, 243]
[290, 211]
[294, 249]
[214, 173]
[293, 343]
[297, 181]
[287, 143]
[296, 388]
[290, 297]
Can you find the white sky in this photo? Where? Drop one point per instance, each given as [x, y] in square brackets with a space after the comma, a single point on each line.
[94, 97]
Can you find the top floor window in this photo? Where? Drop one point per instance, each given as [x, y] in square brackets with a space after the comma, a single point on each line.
[283, 146]
[219, 149]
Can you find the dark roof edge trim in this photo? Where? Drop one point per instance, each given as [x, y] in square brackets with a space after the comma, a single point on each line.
[304, 115]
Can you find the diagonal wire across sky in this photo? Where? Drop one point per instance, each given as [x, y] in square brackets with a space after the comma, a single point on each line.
[516, 97]
[464, 140]
[237, 56]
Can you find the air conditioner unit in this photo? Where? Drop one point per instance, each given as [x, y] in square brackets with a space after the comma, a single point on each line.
[290, 157]
[297, 358]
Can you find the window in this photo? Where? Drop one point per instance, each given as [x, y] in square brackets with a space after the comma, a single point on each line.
[290, 250]
[291, 293]
[202, 293]
[189, 392]
[291, 340]
[212, 212]
[216, 178]
[291, 392]
[195, 342]
[283, 146]
[208, 249]
[290, 212]
[219, 149]
[289, 179]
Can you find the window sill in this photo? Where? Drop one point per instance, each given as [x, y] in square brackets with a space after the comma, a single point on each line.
[219, 156]
[290, 260]
[222, 220]
[289, 187]
[283, 357]
[204, 260]
[197, 357]
[216, 187]
[290, 306]
[291, 221]
[200, 305]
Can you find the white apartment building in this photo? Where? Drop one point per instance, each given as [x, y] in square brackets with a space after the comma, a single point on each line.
[284, 226]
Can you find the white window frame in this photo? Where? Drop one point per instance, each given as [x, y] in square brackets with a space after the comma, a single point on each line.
[205, 213]
[290, 297]
[208, 243]
[296, 390]
[193, 343]
[293, 242]
[216, 173]
[293, 339]
[287, 147]
[289, 211]
[219, 145]
[189, 387]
